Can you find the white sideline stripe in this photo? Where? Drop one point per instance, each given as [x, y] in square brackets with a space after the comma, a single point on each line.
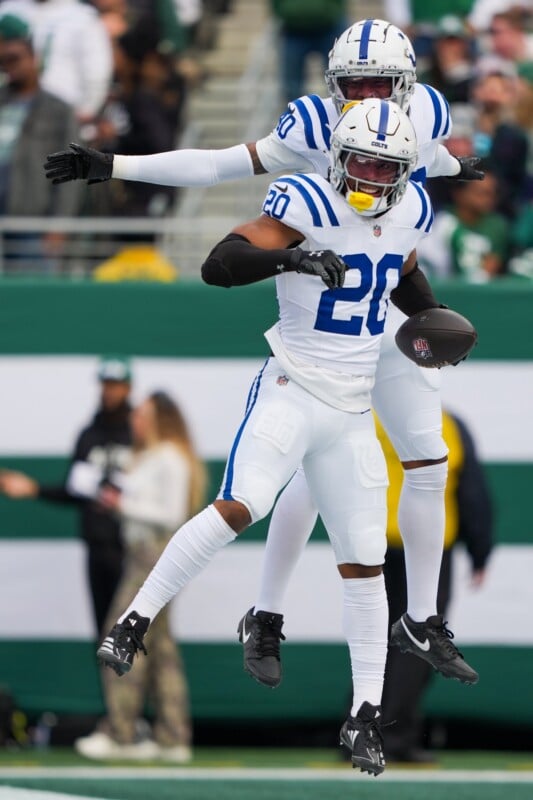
[342, 773]
[493, 397]
[41, 607]
[10, 793]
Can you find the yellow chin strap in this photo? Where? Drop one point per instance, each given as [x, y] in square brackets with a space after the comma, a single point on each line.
[350, 104]
[360, 200]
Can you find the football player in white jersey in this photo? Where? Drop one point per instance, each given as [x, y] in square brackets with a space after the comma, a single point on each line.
[372, 58]
[310, 403]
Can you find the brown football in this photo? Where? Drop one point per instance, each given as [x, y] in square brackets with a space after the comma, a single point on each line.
[437, 337]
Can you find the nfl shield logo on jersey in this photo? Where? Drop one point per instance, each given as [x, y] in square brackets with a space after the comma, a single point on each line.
[422, 348]
[377, 230]
[282, 380]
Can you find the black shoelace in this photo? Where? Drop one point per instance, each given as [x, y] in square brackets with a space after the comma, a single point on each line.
[127, 635]
[268, 636]
[446, 635]
[373, 734]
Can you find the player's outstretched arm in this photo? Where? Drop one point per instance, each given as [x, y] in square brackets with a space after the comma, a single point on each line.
[458, 168]
[264, 248]
[78, 162]
[469, 169]
[173, 168]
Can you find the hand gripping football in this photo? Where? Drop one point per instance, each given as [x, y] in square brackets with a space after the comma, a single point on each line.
[437, 337]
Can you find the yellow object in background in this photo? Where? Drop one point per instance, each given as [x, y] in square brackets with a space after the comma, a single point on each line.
[139, 263]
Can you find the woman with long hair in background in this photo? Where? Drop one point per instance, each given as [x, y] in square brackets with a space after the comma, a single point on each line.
[164, 486]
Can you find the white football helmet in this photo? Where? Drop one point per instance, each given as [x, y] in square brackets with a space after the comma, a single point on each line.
[373, 153]
[372, 48]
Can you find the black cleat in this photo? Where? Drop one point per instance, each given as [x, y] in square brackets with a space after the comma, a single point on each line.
[431, 640]
[362, 736]
[122, 643]
[260, 635]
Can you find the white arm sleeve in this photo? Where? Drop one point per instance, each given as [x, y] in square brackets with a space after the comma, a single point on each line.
[186, 167]
[443, 164]
[275, 157]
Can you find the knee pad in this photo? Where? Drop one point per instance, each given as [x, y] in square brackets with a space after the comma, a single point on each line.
[427, 445]
[364, 544]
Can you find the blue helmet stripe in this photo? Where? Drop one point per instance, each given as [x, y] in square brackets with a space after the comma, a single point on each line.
[323, 117]
[383, 121]
[252, 399]
[327, 205]
[365, 38]
[308, 124]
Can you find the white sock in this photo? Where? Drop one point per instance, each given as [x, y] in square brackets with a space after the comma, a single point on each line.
[191, 548]
[293, 519]
[421, 521]
[365, 621]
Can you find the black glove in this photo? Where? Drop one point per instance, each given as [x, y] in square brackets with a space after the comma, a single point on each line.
[468, 171]
[78, 162]
[324, 264]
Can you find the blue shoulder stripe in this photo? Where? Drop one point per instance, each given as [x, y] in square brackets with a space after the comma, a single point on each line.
[442, 116]
[308, 124]
[419, 176]
[323, 117]
[327, 205]
[310, 201]
[425, 209]
[448, 117]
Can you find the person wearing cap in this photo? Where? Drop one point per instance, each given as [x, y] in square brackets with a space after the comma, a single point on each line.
[451, 68]
[101, 454]
[32, 121]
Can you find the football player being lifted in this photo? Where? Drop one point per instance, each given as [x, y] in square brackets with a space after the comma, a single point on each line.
[310, 403]
[372, 58]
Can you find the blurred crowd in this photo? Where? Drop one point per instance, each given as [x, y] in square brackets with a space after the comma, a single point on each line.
[112, 74]
[481, 59]
[116, 75]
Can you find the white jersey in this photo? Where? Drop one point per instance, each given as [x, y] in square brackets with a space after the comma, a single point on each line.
[301, 140]
[338, 331]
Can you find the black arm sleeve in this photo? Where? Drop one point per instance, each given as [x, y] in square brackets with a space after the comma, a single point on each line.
[414, 293]
[236, 262]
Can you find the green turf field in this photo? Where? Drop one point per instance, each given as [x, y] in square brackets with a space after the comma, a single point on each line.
[241, 774]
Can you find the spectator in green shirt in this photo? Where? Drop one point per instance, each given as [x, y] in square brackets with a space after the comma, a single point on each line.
[469, 240]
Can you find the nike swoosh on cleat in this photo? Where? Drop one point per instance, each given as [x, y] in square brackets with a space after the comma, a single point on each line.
[421, 645]
[245, 636]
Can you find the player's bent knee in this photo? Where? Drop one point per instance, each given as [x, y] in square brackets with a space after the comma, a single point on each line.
[235, 513]
[256, 490]
[366, 547]
[427, 446]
